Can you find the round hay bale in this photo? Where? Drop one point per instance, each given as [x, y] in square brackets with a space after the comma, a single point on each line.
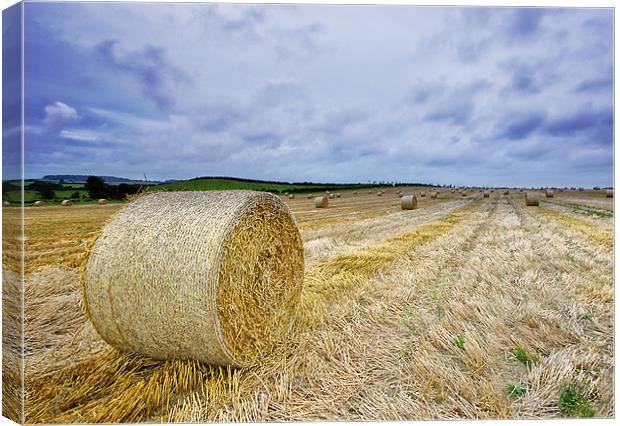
[321, 202]
[102, 201]
[433, 194]
[216, 276]
[338, 195]
[66, 203]
[549, 193]
[532, 198]
[422, 194]
[292, 196]
[331, 195]
[408, 202]
[380, 194]
[6, 203]
[464, 194]
[310, 196]
[486, 194]
[609, 193]
[38, 203]
[354, 192]
[370, 192]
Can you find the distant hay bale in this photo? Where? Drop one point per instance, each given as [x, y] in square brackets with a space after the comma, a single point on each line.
[549, 193]
[609, 193]
[102, 201]
[408, 202]
[6, 203]
[422, 194]
[292, 196]
[310, 196]
[486, 194]
[506, 192]
[380, 194]
[453, 191]
[66, 203]
[338, 195]
[532, 198]
[38, 203]
[433, 194]
[463, 193]
[331, 195]
[354, 192]
[216, 278]
[321, 202]
[370, 192]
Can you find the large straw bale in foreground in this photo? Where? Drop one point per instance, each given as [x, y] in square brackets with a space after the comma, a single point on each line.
[408, 202]
[213, 276]
[321, 202]
[532, 198]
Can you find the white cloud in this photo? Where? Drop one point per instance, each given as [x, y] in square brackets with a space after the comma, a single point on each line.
[60, 113]
[79, 135]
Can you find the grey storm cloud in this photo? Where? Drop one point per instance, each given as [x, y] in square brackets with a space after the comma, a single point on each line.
[311, 92]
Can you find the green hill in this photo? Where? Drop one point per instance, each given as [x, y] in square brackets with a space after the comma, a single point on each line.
[222, 183]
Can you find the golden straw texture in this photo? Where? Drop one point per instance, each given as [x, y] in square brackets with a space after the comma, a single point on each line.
[66, 203]
[213, 276]
[103, 201]
[549, 193]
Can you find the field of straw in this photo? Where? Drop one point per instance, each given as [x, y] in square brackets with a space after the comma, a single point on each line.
[466, 307]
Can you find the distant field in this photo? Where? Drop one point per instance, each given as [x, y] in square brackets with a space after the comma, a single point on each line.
[210, 184]
[198, 184]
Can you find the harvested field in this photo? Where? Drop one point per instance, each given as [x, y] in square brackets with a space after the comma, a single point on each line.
[466, 307]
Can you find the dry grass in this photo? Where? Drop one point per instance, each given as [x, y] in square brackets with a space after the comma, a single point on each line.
[597, 233]
[404, 315]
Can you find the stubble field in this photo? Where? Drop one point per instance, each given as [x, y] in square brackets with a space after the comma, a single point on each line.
[466, 307]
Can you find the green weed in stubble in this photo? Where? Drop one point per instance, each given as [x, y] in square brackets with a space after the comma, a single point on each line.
[516, 389]
[574, 401]
[524, 356]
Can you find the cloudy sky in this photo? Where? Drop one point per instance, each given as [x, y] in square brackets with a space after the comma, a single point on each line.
[466, 96]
